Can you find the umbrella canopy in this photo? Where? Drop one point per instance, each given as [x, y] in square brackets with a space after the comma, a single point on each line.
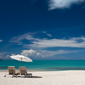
[21, 58]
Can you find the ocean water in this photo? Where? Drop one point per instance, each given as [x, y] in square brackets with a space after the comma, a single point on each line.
[45, 65]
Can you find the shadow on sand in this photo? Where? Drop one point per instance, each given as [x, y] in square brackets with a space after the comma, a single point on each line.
[33, 77]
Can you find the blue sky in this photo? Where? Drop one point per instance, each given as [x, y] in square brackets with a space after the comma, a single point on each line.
[43, 29]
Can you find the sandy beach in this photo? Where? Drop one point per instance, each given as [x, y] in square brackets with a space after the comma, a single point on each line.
[46, 78]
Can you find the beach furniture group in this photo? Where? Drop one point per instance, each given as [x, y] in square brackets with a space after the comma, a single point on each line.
[22, 72]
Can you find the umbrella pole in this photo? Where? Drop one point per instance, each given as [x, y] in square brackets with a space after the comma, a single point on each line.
[20, 62]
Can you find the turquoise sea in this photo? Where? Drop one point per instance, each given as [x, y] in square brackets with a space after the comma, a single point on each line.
[45, 65]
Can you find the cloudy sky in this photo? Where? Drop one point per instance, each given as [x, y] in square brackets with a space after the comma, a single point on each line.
[43, 29]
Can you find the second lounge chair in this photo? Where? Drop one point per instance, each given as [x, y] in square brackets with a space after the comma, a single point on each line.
[23, 72]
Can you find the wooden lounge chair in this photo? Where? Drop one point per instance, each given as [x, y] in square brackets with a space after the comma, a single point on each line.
[23, 72]
[11, 70]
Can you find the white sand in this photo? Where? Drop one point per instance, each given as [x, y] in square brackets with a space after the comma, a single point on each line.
[48, 78]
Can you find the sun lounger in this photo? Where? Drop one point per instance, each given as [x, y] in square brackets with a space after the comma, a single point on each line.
[23, 72]
[11, 70]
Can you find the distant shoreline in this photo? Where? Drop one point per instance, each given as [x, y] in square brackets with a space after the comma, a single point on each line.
[48, 69]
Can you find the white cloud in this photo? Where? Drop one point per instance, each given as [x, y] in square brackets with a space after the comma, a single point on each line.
[19, 39]
[30, 53]
[7, 57]
[1, 40]
[54, 4]
[78, 42]
[4, 56]
[38, 45]
[49, 35]
[44, 31]
[44, 53]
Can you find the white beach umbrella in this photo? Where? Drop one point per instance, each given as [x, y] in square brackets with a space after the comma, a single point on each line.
[21, 58]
